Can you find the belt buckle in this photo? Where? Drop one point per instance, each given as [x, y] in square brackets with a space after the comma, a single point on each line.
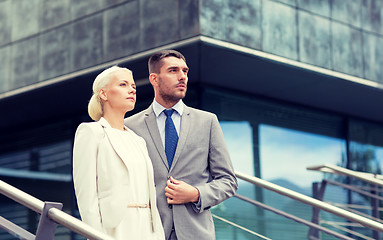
[138, 205]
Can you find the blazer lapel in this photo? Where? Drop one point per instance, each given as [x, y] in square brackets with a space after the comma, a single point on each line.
[184, 131]
[114, 141]
[151, 124]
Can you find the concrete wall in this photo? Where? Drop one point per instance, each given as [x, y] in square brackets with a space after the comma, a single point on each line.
[43, 39]
[341, 35]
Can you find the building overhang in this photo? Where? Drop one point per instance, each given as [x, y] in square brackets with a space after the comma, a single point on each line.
[255, 72]
[214, 63]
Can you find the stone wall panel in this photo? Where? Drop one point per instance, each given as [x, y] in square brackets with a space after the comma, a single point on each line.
[121, 25]
[86, 42]
[314, 40]
[5, 22]
[25, 63]
[372, 16]
[373, 56]
[159, 22]
[212, 21]
[54, 13]
[243, 23]
[189, 12]
[84, 7]
[348, 12]
[347, 50]
[279, 29]
[5, 73]
[320, 7]
[25, 18]
[55, 53]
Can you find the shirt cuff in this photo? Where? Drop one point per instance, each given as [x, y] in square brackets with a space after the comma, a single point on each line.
[197, 206]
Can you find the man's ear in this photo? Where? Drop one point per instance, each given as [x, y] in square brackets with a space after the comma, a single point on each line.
[153, 78]
[103, 95]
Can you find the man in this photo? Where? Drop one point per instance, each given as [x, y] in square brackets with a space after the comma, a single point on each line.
[192, 167]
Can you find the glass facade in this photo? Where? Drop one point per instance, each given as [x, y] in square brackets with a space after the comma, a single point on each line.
[43, 155]
[269, 139]
[277, 142]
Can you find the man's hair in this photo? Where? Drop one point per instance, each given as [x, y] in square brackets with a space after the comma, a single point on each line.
[155, 61]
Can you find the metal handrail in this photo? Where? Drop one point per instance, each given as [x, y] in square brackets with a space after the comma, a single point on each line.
[348, 187]
[374, 180]
[311, 201]
[240, 227]
[294, 218]
[367, 177]
[54, 214]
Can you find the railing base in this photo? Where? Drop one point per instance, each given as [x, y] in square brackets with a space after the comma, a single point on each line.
[47, 228]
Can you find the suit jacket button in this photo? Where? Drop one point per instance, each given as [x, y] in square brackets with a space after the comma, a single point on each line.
[170, 206]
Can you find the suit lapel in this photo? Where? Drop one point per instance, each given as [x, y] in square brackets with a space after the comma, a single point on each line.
[151, 124]
[184, 131]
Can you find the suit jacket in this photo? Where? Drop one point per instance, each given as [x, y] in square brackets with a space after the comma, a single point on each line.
[101, 179]
[201, 160]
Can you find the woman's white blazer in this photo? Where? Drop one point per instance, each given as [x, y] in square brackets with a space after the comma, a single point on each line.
[103, 194]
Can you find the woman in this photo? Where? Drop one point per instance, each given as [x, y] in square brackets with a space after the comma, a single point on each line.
[112, 172]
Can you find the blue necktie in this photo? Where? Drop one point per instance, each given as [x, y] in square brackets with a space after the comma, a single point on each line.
[171, 137]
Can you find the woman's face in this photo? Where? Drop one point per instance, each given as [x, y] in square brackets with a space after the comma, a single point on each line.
[120, 94]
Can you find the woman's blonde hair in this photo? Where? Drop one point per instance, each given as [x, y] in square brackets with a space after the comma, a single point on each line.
[95, 106]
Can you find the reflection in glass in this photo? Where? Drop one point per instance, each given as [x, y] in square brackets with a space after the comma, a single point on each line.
[284, 156]
[366, 158]
[239, 140]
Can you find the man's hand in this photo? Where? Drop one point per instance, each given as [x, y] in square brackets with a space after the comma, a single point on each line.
[179, 192]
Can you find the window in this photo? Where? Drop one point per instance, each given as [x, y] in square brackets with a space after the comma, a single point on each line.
[274, 141]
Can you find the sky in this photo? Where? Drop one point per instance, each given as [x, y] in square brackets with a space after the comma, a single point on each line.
[284, 153]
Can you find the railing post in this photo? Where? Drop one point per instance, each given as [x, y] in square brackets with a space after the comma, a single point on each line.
[375, 208]
[318, 193]
[47, 228]
[54, 213]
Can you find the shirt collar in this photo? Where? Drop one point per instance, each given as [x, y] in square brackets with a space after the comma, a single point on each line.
[158, 108]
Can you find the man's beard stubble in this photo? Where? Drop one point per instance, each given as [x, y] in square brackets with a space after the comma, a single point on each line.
[172, 98]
